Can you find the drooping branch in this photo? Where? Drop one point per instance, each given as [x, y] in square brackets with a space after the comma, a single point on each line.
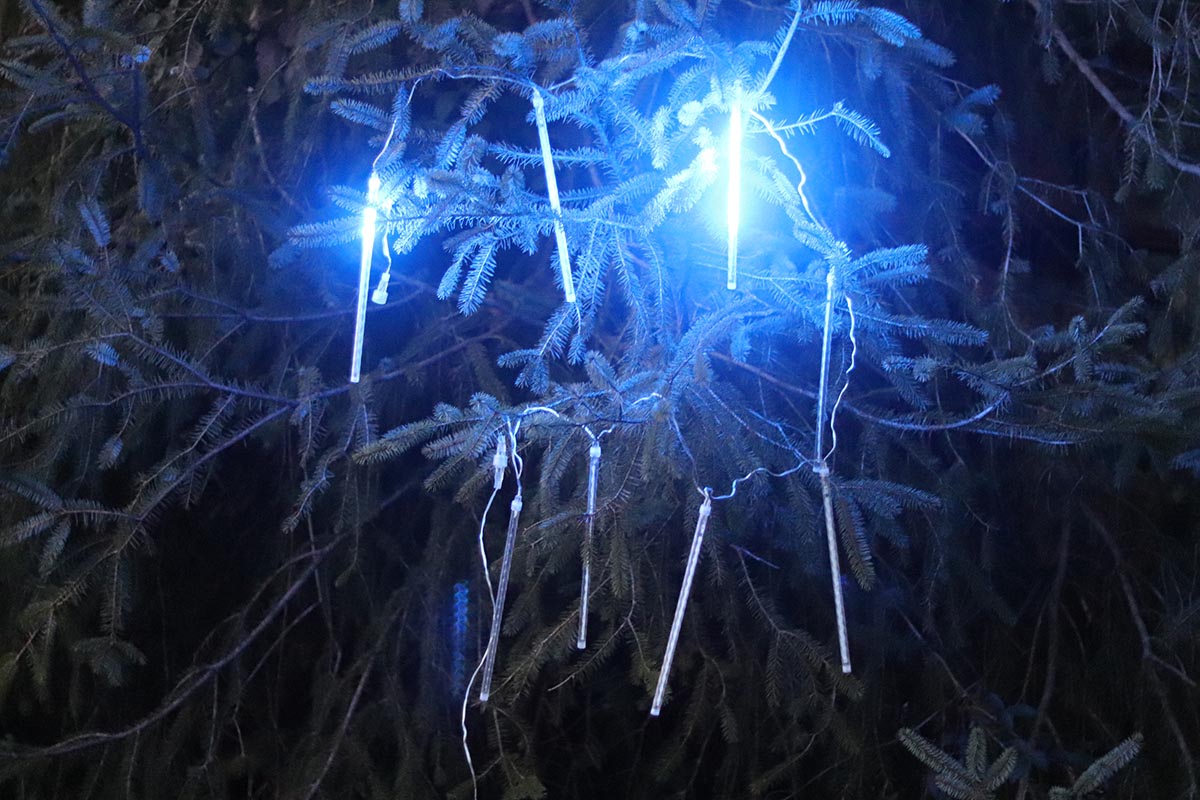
[1126, 116]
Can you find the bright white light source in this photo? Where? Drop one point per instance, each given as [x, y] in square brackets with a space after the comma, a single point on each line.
[733, 200]
[370, 215]
[560, 233]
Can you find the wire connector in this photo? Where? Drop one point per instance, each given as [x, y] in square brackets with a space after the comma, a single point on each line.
[499, 460]
[380, 296]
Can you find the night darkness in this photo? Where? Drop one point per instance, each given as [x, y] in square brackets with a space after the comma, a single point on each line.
[608, 398]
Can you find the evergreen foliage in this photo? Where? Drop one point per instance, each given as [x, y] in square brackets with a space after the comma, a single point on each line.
[227, 572]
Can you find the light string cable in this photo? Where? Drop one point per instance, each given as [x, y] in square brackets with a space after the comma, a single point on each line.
[783, 148]
[369, 220]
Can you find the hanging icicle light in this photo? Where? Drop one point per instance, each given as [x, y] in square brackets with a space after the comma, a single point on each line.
[688, 574]
[370, 215]
[835, 567]
[560, 233]
[822, 469]
[510, 540]
[593, 473]
[733, 198]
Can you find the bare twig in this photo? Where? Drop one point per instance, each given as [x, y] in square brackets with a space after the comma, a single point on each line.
[1143, 132]
[197, 678]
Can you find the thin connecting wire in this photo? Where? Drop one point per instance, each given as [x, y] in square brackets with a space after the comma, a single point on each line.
[391, 133]
[783, 148]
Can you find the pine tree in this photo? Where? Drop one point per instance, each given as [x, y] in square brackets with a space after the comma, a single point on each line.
[619, 487]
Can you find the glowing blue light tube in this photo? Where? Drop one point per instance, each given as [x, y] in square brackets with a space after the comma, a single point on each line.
[370, 215]
[689, 574]
[733, 199]
[560, 233]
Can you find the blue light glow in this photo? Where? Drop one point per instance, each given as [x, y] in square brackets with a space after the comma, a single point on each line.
[733, 200]
[458, 652]
[370, 215]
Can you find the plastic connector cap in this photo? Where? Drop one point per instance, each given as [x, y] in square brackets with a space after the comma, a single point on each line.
[380, 296]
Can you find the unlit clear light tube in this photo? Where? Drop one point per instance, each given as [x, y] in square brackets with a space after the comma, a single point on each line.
[835, 568]
[489, 659]
[733, 199]
[593, 470]
[560, 233]
[370, 214]
[688, 574]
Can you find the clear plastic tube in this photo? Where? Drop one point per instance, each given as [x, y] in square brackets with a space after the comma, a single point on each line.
[822, 470]
[370, 215]
[489, 659]
[590, 522]
[560, 233]
[835, 568]
[688, 574]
